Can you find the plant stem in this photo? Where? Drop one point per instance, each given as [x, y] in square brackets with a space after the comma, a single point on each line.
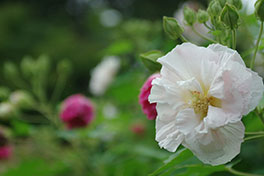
[235, 172]
[255, 132]
[234, 39]
[257, 46]
[253, 137]
[59, 86]
[202, 36]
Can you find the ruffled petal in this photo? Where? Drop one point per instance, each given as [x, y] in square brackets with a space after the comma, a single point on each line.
[218, 146]
[217, 117]
[186, 121]
[168, 136]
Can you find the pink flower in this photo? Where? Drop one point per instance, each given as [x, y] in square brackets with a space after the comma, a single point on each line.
[77, 111]
[138, 129]
[148, 109]
[5, 148]
[5, 152]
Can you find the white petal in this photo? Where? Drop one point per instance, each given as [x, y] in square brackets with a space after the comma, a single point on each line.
[186, 59]
[226, 54]
[186, 121]
[243, 88]
[217, 117]
[168, 136]
[218, 146]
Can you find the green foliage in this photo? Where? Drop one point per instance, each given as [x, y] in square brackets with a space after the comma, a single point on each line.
[259, 10]
[150, 58]
[229, 16]
[172, 28]
[202, 16]
[189, 15]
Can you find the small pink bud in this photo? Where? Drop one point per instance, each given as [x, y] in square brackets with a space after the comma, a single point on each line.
[138, 129]
[77, 111]
[148, 109]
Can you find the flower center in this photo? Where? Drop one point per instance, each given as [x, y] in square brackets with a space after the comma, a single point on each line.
[201, 102]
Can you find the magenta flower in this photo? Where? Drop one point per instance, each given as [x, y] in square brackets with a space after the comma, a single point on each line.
[77, 111]
[148, 109]
[5, 148]
[5, 152]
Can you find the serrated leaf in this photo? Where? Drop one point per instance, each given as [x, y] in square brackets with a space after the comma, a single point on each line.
[150, 58]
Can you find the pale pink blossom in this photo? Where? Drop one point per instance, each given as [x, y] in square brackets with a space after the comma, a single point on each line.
[148, 108]
[201, 97]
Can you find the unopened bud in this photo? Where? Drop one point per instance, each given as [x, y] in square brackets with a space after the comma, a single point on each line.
[28, 66]
[202, 16]
[189, 15]
[21, 99]
[172, 28]
[6, 110]
[64, 67]
[214, 8]
[259, 9]
[229, 16]
[10, 70]
[222, 2]
[236, 3]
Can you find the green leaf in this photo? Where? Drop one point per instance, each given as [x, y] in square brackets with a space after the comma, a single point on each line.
[149, 59]
[178, 157]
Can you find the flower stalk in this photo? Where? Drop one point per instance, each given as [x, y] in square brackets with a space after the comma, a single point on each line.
[257, 46]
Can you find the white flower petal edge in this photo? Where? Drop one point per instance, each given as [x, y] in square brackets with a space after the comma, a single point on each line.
[201, 97]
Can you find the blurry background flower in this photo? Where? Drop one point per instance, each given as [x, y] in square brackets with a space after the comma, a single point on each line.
[188, 32]
[103, 74]
[5, 148]
[248, 6]
[110, 111]
[138, 129]
[77, 111]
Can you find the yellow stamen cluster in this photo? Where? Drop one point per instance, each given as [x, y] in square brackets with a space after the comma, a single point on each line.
[201, 102]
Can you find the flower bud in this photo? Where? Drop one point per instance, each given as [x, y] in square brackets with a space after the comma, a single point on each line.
[222, 2]
[148, 109]
[6, 110]
[229, 16]
[236, 3]
[172, 28]
[189, 15]
[21, 99]
[259, 9]
[77, 111]
[214, 8]
[64, 67]
[43, 64]
[138, 129]
[28, 66]
[202, 16]
[10, 70]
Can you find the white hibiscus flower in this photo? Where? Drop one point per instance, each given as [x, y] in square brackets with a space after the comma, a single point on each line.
[201, 97]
